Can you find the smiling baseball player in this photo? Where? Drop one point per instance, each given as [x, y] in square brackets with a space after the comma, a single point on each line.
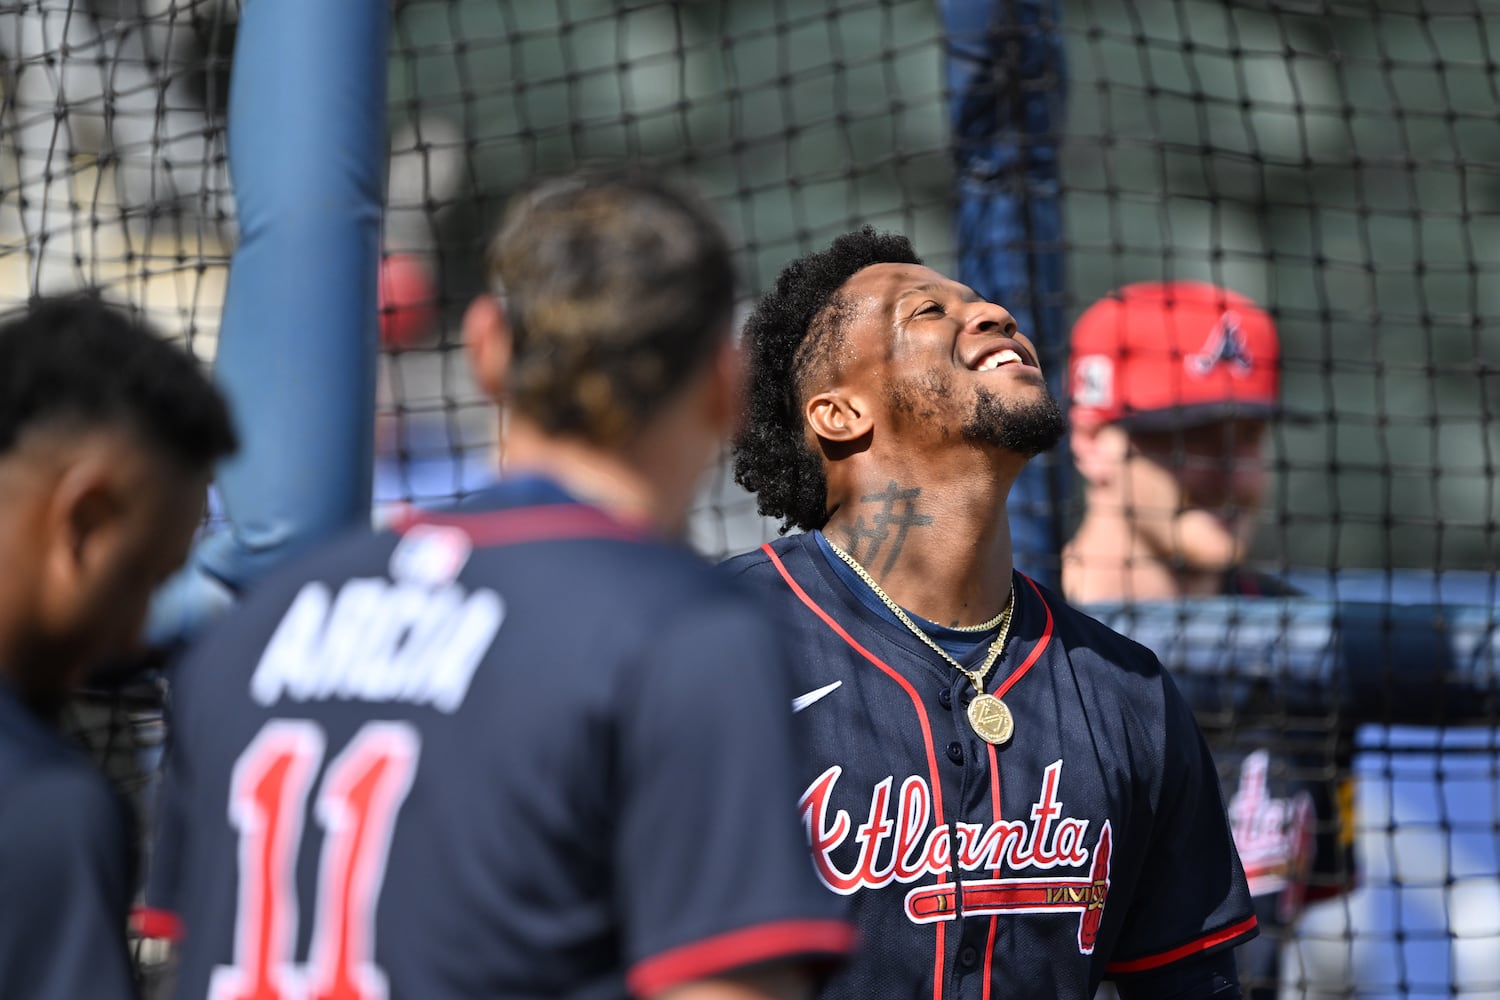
[1015, 799]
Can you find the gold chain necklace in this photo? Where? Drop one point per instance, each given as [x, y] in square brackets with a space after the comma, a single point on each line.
[988, 626]
[989, 716]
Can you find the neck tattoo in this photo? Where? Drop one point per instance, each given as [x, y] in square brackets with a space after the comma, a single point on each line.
[989, 716]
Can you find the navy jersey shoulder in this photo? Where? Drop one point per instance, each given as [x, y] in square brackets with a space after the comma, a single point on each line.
[1078, 629]
[1092, 845]
[65, 866]
[30, 746]
[574, 736]
[1122, 656]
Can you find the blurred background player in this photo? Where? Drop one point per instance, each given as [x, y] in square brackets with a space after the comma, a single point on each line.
[1174, 388]
[1016, 799]
[108, 437]
[532, 746]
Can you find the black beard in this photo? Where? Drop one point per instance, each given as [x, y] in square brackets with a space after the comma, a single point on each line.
[1027, 428]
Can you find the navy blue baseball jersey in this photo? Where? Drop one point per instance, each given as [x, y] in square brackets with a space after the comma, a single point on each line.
[1092, 845]
[67, 867]
[1290, 787]
[518, 750]
[1290, 794]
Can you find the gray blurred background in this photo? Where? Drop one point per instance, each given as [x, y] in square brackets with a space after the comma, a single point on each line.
[1335, 161]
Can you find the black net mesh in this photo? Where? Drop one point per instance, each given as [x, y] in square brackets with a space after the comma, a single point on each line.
[1334, 161]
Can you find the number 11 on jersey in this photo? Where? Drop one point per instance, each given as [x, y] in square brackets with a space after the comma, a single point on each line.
[362, 791]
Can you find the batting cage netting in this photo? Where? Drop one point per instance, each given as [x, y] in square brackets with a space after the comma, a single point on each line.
[1333, 160]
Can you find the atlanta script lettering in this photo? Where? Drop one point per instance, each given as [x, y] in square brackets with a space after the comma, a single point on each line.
[899, 848]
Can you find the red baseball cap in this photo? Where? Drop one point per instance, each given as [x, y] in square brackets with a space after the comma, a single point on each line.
[1167, 355]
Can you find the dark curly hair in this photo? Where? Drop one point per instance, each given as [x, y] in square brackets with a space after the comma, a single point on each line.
[792, 334]
[75, 361]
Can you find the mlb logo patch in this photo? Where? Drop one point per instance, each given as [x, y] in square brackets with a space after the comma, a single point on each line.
[430, 555]
[1094, 381]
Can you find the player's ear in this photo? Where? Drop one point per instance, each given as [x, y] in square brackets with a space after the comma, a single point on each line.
[1095, 452]
[83, 530]
[487, 343]
[838, 415]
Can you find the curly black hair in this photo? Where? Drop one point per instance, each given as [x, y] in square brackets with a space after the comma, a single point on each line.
[791, 334]
[74, 359]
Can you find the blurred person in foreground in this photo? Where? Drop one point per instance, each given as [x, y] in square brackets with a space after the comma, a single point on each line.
[108, 438]
[531, 746]
[1174, 387]
[1016, 799]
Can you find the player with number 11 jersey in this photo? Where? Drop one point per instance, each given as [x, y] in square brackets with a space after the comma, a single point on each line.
[529, 747]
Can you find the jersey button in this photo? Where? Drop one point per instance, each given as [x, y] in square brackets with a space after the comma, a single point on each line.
[955, 752]
[969, 957]
[945, 698]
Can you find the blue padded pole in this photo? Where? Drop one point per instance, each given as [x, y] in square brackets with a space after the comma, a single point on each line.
[1006, 83]
[297, 347]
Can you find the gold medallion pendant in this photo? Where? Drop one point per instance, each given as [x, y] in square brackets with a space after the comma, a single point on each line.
[991, 719]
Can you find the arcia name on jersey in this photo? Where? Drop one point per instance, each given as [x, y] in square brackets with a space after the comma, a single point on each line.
[416, 637]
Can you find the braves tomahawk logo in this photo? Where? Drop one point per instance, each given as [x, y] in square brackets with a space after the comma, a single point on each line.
[901, 849]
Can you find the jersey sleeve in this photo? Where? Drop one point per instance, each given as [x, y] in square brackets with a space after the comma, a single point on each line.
[1193, 899]
[65, 881]
[713, 868]
[1205, 976]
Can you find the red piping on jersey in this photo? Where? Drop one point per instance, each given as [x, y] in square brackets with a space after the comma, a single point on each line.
[148, 921]
[916, 700]
[1036, 651]
[526, 524]
[999, 814]
[1207, 941]
[726, 952]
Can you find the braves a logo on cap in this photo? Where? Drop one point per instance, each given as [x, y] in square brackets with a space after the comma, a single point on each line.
[1225, 346]
[899, 849]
